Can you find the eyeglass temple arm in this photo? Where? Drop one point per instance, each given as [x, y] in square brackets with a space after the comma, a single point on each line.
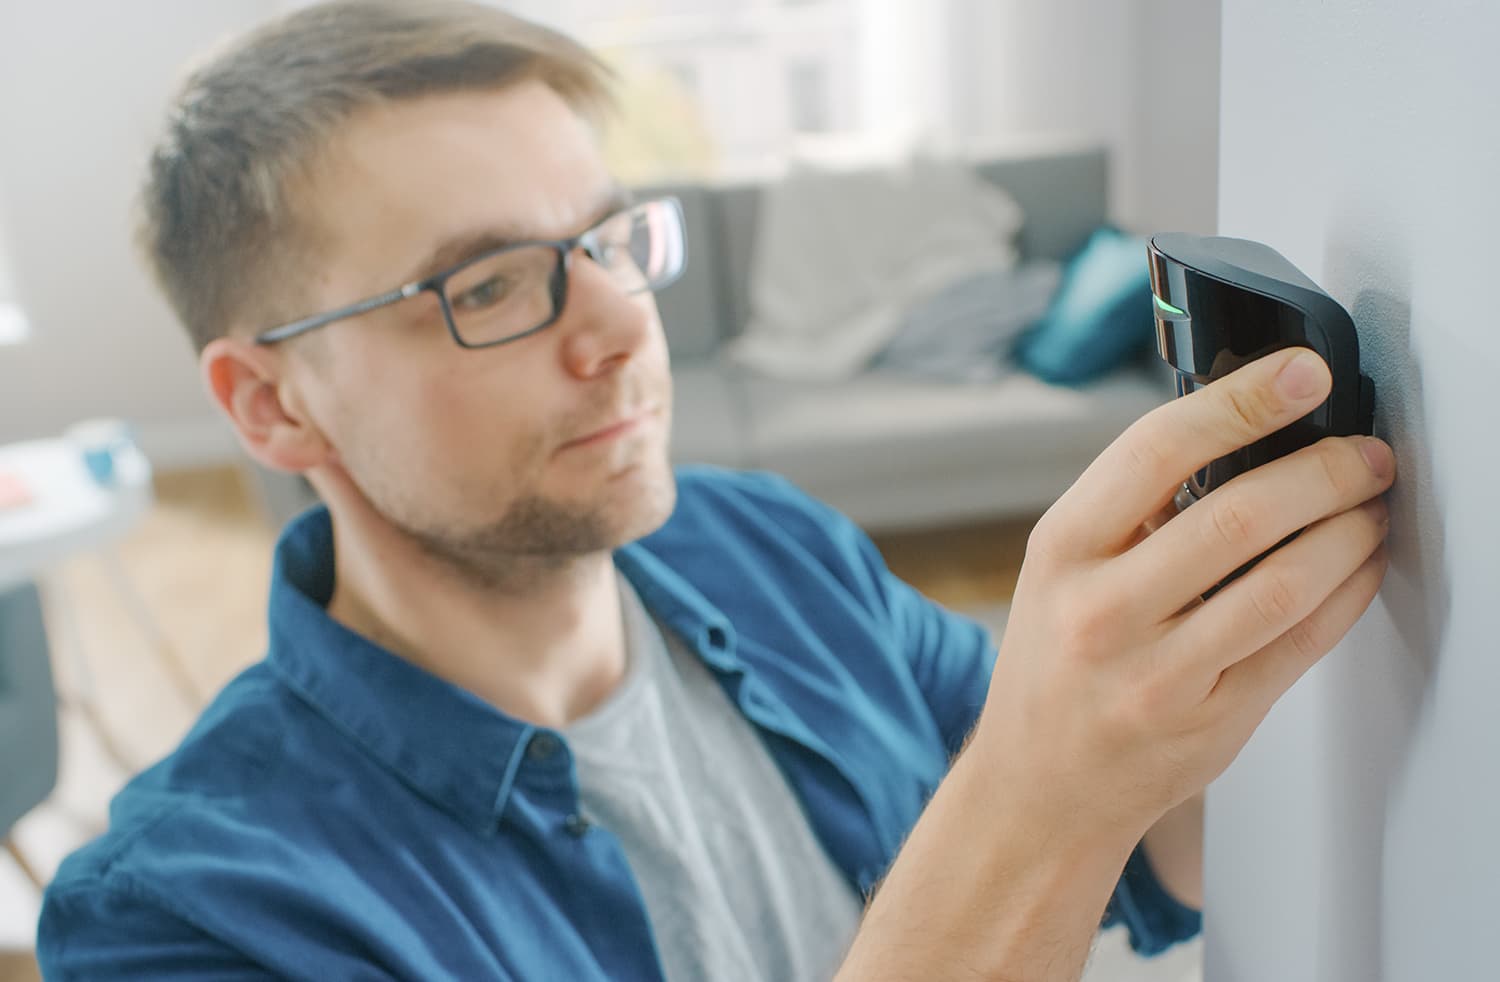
[353, 310]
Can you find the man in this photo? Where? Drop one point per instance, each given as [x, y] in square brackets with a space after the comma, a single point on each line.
[536, 707]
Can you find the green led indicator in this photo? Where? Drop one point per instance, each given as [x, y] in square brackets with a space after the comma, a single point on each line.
[1167, 308]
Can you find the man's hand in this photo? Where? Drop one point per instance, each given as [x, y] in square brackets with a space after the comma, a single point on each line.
[1118, 692]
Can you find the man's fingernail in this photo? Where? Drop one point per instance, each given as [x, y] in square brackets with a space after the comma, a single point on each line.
[1377, 455]
[1301, 378]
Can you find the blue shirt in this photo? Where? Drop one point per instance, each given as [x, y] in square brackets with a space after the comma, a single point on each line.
[338, 813]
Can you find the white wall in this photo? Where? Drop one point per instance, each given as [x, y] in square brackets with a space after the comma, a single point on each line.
[1354, 839]
[83, 86]
[1140, 76]
[7, 288]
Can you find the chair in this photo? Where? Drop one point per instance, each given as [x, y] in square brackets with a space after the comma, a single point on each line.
[28, 714]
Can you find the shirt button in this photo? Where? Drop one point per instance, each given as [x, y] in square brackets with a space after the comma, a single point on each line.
[577, 826]
[543, 746]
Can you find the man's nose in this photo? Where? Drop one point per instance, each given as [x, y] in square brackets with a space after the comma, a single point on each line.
[602, 323]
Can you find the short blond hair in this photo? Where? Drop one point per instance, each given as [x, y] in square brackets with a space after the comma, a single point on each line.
[217, 223]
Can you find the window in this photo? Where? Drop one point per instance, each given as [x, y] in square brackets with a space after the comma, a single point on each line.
[733, 88]
[686, 74]
[807, 91]
[13, 325]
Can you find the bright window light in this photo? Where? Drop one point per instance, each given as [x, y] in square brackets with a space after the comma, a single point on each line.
[13, 326]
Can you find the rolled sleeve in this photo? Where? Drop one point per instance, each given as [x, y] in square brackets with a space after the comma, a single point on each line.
[1154, 918]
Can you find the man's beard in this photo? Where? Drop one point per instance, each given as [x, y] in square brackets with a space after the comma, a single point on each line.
[536, 536]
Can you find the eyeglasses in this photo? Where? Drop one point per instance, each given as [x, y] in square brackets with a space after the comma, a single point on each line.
[508, 293]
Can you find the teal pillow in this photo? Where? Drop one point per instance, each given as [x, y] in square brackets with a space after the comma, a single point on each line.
[1100, 316]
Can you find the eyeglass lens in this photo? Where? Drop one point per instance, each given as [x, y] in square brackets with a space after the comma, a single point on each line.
[509, 293]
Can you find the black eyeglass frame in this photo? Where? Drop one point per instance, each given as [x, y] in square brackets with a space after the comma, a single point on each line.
[587, 240]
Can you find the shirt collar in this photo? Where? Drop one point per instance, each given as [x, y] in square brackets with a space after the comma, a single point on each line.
[443, 741]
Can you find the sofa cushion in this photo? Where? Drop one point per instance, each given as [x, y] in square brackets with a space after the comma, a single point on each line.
[842, 255]
[737, 215]
[876, 445]
[1101, 314]
[692, 312]
[1064, 196]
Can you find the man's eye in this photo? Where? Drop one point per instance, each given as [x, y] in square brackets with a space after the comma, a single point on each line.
[481, 295]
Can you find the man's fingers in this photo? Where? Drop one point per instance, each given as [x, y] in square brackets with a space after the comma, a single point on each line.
[1252, 513]
[1279, 593]
[1253, 685]
[1138, 473]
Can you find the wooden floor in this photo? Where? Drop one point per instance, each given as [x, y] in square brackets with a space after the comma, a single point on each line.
[18, 967]
[201, 562]
[964, 568]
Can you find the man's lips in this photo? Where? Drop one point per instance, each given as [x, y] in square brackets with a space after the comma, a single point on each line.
[619, 428]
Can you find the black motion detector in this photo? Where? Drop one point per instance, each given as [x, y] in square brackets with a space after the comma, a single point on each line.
[1221, 303]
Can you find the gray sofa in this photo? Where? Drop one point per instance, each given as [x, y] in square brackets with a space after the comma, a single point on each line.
[890, 451]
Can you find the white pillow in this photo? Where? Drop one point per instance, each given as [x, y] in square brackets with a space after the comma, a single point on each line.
[840, 255]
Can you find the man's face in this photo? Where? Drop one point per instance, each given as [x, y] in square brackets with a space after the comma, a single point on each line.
[551, 445]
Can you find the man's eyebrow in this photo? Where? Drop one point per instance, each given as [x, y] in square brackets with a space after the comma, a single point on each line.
[470, 244]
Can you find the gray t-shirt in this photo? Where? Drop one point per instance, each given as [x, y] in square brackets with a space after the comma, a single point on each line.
[736, 885]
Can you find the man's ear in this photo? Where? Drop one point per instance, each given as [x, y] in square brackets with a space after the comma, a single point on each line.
[247, 380]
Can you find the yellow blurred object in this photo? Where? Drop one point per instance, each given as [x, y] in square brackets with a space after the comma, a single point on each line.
[659, 133]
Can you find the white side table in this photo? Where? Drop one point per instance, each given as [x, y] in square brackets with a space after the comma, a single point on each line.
[87, 491]
[70, 511]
